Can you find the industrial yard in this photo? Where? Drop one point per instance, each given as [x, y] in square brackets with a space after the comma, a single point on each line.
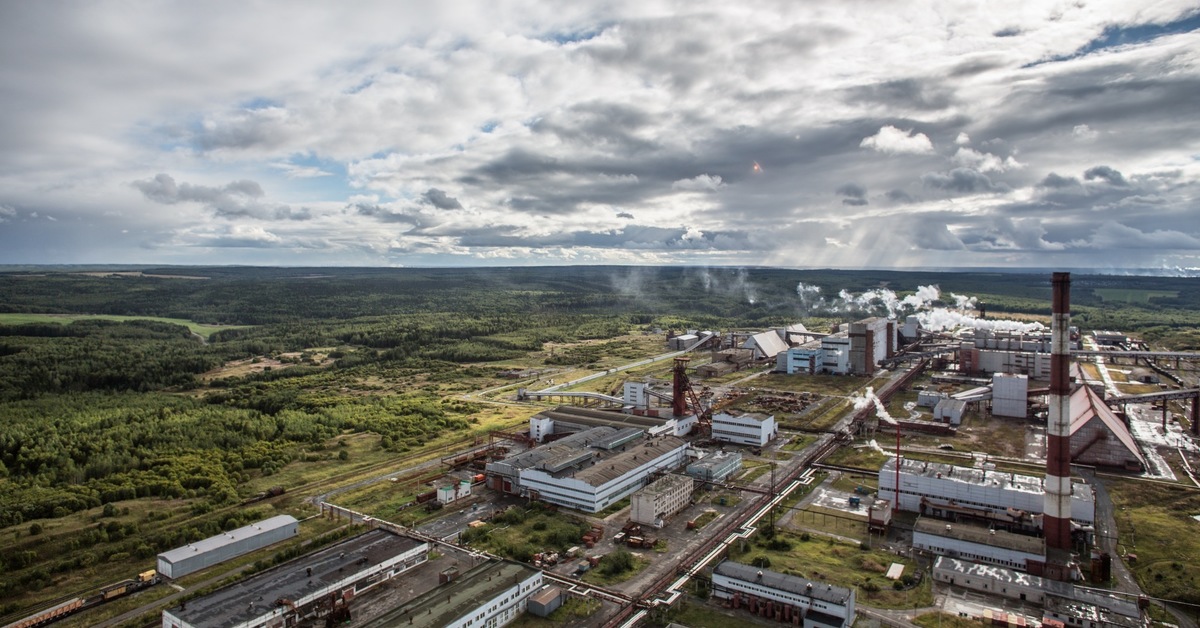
[813, 478]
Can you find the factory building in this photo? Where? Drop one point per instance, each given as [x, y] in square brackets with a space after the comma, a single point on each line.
[856, 351]
[660, 499]
[808, 359]
[783, 597]
[1061, 601]
[751, 428]
[973, 361]
[1007, 500]
[979, 543]
[871, 340]
[1107, 338]
[716, 466]
[572, 419]
[950, 411]
[488, 595]
[765, 345]
[1098, 437]
[191, 558]
[301, 589]
[587, 470]
[1010, 395]
[835, 353]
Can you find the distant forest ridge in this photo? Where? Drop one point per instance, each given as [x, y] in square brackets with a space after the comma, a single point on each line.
[240, 295]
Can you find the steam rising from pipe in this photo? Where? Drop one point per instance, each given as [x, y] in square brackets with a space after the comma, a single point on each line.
[927, 304]
[868, 398]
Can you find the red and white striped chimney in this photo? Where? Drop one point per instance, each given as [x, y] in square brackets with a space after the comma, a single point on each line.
[1056, 522]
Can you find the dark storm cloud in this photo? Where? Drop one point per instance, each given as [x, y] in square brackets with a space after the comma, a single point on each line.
[240, 198]
[1105, 173]
[852, 190]
[1056, 181]
[899, 196]
[440, 199]
[1011, 31]
[610, 125]
[856, 195]
[911, 93]
[960, 180]
[625, 215]
[384, 214]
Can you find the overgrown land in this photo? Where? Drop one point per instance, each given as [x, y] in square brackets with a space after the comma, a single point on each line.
[140, 411]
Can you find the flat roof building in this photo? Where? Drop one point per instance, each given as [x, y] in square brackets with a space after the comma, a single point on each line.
[193, 557]
[974, 542]
[818, 604]
[1072, 605]
[716, 466]
[300, 589]
[587, 470]
[1007, 499]
[660, 499]
[490, 594]
[751, 428]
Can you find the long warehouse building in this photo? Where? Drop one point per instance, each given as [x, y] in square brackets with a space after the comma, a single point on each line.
[1010, 500]
[193, 557]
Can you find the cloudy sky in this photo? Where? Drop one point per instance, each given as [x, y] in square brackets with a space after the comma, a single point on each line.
[828, 134]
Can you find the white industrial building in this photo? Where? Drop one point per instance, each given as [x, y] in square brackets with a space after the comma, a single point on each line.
[1072, 605]
[588, 470]
[950, 411]
[1006, 499]
[301, 589]
[788, 598]
[660, 499]
[1010, 395]
[979, 543]
[193, 557]
[751, 428]
[930, 398]
[855, 351]
[453, 492]
[716, 466]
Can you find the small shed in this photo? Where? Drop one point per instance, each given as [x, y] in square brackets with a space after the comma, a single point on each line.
[950, 411]
[545, 601]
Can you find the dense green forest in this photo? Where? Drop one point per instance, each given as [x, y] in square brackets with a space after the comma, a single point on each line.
[100, 412]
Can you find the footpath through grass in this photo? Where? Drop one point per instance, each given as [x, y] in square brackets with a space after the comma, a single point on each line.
[1155, 522]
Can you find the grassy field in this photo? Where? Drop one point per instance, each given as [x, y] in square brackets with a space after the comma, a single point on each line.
[838, 563]
[66, 319]
[1132, 295]
[820, 384]
[1155, 523]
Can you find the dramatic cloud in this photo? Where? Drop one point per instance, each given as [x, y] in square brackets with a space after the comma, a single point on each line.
[960, 180]
[889, 139]
[516, 132]
[1104, 173]
[440, 199]
[699, 183]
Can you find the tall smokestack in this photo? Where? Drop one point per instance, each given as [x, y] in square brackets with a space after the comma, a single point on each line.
[1056, 522]
[679, 388]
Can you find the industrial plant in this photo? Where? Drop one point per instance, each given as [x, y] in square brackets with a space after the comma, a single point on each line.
[869, 435]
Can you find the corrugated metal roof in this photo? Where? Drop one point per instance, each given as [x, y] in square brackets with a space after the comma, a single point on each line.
[782, 582]
[768, 343]
[227, 538]
[1086, 405]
